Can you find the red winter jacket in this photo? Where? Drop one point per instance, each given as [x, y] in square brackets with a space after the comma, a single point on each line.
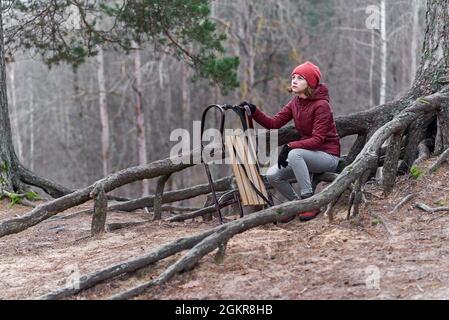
[313, 119]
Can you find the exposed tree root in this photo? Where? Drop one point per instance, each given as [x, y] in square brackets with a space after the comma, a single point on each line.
[402, 202]
[122, 225]
[154, 256]
[100, 211]
[384, 222]
[426, 208]
[202, 211]
[423, 151]
[442, 136]
[158, 196]
[113, 181]
[441, 159]
[390, 166]
[52, 188]
[174, 209]
[17, 198]
[173, 196]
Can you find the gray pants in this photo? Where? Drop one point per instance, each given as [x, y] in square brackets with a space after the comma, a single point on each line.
[300, 163]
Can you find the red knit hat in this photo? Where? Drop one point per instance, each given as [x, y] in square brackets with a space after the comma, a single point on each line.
[310, 72]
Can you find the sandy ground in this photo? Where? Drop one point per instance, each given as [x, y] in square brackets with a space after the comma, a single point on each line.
[313, 260]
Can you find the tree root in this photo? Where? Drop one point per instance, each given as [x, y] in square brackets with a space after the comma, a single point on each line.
[442, 136]
[223, 184]
[390, 166]
[428, 209]
[99, 216]
[402, 202]
[158, 196]
[423, 151]
[132, 265]
[203, 211]
[384, 222]
[51, 188]
[122, 225]
[113, 181]
[441, 159]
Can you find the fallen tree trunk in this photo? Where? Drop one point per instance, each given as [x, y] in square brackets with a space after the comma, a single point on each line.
[160, 253]
[113, 181]
[173, 196]
[52, 188]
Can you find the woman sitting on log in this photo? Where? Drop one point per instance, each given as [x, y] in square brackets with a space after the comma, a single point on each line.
[318, 149]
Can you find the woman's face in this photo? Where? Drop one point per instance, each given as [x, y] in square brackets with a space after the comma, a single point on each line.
[298, 84]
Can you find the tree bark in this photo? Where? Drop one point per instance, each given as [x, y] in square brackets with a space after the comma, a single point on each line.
[158, 196]
[390, 166]
[8, 158]
[100, 211]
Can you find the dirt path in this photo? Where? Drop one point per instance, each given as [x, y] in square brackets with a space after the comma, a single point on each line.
[314, 260]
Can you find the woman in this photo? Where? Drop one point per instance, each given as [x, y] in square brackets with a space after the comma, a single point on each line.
[318, 149]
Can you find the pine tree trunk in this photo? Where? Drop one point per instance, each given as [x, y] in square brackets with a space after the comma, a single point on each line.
[433, 71]
[8, 158]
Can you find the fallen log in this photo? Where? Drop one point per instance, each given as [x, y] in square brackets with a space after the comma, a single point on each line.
[223, 184]
[157, 254]
[111, 182]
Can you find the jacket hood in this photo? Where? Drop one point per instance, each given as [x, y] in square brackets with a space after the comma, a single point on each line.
[321, 93]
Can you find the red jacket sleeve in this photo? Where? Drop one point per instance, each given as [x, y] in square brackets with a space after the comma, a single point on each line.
[277, 121]
[322, 122]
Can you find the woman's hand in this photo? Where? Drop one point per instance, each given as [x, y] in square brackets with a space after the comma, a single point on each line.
[282, 159]
[252, 107]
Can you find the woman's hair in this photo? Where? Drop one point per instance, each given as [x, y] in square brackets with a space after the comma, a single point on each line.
[308, 92]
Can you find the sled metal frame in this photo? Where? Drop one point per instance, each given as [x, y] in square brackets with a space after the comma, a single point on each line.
[245, 116]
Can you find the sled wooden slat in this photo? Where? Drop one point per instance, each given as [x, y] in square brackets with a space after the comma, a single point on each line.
[242, 157]
[254, 167]
[246, 186]
[240, 153]
[236, 169]
[249, 164]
